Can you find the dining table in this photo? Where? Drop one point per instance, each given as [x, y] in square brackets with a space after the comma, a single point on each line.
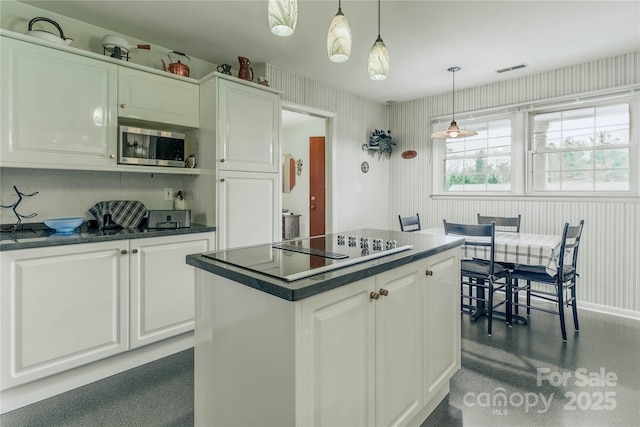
[513, 248]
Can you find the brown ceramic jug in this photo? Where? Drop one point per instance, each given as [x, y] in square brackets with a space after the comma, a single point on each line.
[245, 72]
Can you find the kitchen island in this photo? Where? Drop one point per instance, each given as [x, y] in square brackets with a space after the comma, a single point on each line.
[369, 335]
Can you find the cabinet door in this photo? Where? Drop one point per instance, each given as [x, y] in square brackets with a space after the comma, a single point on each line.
[442, 320]
[163, 286]
[57, 108]
[336, 364]
[61, 307]
[248, 208]
[399, 340]
[154, 98]
[248, 128]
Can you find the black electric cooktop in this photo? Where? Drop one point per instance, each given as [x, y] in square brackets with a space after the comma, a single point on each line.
[300, 258]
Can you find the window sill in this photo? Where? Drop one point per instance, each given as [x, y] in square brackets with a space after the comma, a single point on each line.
[603, 198]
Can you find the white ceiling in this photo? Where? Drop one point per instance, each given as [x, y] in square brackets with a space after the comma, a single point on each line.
[424, 37]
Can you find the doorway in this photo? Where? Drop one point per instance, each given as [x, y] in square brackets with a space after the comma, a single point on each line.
[306, 138]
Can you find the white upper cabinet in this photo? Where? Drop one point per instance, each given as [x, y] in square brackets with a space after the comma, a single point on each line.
[248, 128]
[58, 110]
[153, 98]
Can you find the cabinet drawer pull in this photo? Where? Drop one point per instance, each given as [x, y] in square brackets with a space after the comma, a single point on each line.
[222, 180]
[123, 252]
[428, 273]
[112, 156]
[123, 105]
[134, 251]
[221, 160]
[374, 295]
[384, 292]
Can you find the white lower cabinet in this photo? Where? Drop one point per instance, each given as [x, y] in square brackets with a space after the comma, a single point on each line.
[66, 306]
[364, 353]
[376, 352]
[163, 286]
[62, 307]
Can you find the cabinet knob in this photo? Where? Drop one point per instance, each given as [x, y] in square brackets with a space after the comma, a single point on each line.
[312, 207]
[123, 252]
[374, 295]
[428, 273]
[112, 156]
[221, 179]
[384, 292]
[221, 160]
[123, 105]
[134, 251]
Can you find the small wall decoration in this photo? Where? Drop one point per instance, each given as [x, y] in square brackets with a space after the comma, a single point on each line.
[299, 167]
[381, 141]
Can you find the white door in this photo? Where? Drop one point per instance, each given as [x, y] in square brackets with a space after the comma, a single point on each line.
[337, 359]
[442, 320]
[163, 286]
[57, 108]
[62, 307]
[399, 339]
[248, 128]
[248, 208]
[160, 99]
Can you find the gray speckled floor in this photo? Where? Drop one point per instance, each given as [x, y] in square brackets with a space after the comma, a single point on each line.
[506, 364]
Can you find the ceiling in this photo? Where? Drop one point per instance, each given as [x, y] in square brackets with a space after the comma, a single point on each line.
[424, 37]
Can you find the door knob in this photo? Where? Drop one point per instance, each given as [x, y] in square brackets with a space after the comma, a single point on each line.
[313, 198]
[313, 207]
[428, 273]
[374, 295]
[384, 292]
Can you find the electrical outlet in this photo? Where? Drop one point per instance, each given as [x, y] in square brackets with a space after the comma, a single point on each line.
[168, 193]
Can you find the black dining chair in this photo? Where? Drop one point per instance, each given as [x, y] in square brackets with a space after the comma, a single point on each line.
[484, 276]
[409, 223]
[503, 223]
[558, 288]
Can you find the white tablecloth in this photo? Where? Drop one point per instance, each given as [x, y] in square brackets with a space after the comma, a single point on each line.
[517, 248]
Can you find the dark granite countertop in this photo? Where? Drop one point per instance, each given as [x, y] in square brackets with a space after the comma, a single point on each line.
[38, 235]
[424, 245]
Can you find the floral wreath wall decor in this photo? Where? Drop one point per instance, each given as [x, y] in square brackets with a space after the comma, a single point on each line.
[380, 141]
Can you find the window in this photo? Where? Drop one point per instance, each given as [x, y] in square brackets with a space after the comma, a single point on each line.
[581, 150]
[479, 163]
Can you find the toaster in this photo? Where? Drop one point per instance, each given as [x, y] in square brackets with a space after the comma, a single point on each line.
[171, 219]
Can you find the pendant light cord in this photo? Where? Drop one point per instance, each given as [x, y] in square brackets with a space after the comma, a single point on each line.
[378, 18]
[453, 95]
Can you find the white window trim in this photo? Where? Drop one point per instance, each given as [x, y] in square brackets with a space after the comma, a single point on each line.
[521, 185]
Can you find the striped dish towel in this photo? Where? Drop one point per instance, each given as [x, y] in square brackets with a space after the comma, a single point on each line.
[125, 213]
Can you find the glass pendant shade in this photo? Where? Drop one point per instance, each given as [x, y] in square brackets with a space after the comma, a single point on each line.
[283, 15]
[339, 38]
[378, 61]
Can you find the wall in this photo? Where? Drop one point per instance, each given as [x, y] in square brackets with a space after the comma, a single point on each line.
[358, 199]
[295, 141]
[609, 271]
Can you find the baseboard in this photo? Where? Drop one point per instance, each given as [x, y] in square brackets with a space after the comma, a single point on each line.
[613, 311]
[598, 308]
[44, 388]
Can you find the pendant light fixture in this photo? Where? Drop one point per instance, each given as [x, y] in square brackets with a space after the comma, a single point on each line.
[454, 131]
[283, 15]
[339, 38]
[378, 57]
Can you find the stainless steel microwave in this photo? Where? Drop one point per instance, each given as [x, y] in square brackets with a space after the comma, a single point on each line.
[151, 147]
